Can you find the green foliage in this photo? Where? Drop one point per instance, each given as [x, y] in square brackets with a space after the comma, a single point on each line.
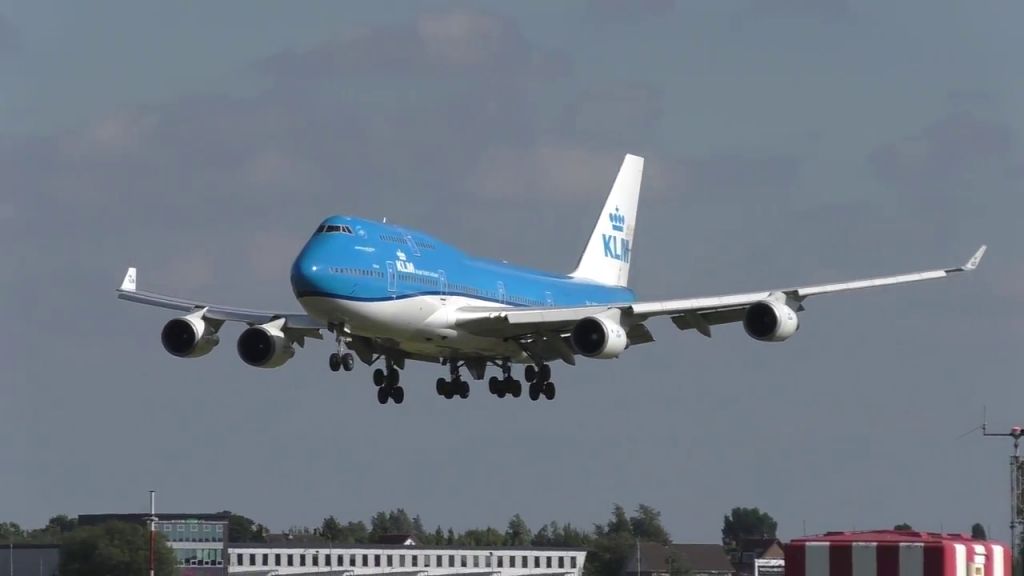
[243, 529]
[646, 525]
[747, 523]
[615, 542]
[349, 533]
[394, 522]
[113, 548]
[481, 537]
[904, 527]
[517, 533]
[11, 532]
[978, 532]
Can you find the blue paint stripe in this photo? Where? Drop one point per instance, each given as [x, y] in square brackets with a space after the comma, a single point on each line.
[391, 298]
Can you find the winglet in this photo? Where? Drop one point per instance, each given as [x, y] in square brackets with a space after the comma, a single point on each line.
[976, 259]
[128, 284]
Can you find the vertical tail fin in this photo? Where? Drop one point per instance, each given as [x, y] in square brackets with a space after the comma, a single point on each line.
[606, 256]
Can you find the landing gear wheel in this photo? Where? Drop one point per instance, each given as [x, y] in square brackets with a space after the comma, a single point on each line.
[335, 362]
[392, 377]
[382, 395]
[549, 390]
[398, 394]
[517, 389]
[531, 373]
[535, 391]
[347, 362]
[544, 373]
[378, 377]
[441, 387]
[494, 385]
[463, 389]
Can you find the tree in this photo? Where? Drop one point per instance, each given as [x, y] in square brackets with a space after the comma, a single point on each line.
[331, 529]
[517, 533]
[243, 529]
[113, 548]
[11, 532]
[483, 537]
[613, 544]
[394, 522]
[978, 532]
[747, 523]
[646, 525]
[903, 527]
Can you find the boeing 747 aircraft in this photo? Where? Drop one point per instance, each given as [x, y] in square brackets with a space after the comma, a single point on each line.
[391, 294]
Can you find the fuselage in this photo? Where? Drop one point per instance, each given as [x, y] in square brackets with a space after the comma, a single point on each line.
[401, 285]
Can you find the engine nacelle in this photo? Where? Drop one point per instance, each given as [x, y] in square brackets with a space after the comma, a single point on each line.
[599, 337]
[264, 346]
[770, 321]
[189, 337]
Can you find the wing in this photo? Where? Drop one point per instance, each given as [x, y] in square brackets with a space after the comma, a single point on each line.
[297, 324]
[696, 313]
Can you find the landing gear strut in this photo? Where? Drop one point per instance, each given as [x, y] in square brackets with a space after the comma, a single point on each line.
[454, 387]
[387, 384]
[341, 359]
[539, 378]
[505, 385]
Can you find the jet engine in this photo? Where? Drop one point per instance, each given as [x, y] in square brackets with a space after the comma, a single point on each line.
[770, 321]
[189, 337]
[264, 346]
[599, 337]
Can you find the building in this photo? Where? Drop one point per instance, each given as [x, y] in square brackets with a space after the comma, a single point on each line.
[896, 553]
[199, 541]
[304, 557]
[29, 559]
[661, 560]
[759, 557]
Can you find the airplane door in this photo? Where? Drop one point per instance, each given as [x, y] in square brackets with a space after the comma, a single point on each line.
[501, 292]
[392, 278]
[549, 300]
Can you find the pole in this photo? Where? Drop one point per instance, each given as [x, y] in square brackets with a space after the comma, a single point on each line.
[152, 532]
[10, 556]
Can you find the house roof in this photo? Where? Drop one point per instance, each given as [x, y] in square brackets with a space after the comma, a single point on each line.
[761, 546]
[655, 557]
[395, 539]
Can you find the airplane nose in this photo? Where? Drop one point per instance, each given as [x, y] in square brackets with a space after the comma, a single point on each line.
[307, 272]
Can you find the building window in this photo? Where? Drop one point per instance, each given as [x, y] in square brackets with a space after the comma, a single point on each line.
[252, 559]
[561, 561]
[415, 561]
[302, 559]
[390, 560]
[277, 559]
[366, 560]
[266, 559]
[536, 561]
[376, 560]
[463, 560]
[291, 560]
[572, 562]
[501, 561]
[549, 562]
[401, 560]
[327, 560]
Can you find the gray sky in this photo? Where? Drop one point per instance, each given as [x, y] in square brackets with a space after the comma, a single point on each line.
[786, 142]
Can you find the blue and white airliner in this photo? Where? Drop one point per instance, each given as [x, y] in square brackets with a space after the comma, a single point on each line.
[392, 294]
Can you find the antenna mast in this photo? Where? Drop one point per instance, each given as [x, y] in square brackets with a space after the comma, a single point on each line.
[1016, 486]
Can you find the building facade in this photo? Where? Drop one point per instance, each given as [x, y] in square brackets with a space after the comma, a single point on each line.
[199, 541]
[653, 559]
[29, 560]
[401, 560]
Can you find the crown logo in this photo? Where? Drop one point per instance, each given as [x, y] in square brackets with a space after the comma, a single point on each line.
[617, 219]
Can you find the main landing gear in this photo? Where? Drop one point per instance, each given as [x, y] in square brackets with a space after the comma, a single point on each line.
[456, 386]
[539, 378]
[387, 385]
[505, 385]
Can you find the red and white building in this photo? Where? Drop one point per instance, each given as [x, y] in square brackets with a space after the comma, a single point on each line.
[896, 553]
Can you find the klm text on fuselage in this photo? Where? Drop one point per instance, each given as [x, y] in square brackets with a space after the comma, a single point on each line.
[616, 248]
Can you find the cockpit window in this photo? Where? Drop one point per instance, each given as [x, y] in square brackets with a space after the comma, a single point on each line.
[334, 228]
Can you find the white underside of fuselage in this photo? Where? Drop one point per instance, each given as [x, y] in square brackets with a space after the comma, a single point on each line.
[418, 325]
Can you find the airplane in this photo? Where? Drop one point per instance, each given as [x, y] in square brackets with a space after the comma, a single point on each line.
[395, 294]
